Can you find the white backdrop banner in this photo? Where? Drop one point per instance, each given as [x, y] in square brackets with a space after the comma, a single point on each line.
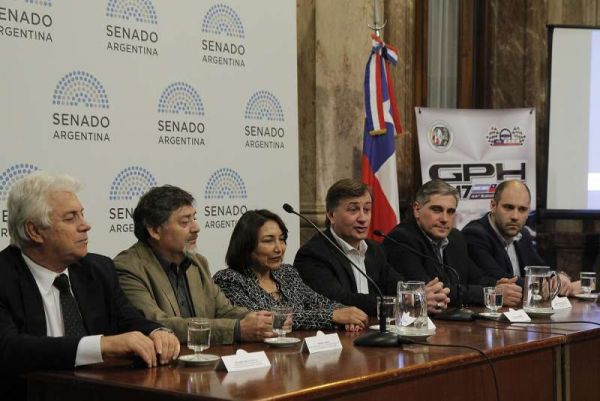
[129, 94]
[475, 150]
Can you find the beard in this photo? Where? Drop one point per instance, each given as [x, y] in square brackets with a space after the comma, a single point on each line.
[189, 250]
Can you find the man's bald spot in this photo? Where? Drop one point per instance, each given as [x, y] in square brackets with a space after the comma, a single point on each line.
[510, 184]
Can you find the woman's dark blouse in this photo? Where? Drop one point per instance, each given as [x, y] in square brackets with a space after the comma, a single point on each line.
[312, 311]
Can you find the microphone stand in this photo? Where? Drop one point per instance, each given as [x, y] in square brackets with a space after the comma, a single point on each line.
[455, 314]
[380, 338]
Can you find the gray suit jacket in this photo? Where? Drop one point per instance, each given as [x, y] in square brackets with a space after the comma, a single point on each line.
[147, 286]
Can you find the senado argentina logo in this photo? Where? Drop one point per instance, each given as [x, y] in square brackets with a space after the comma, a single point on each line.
[224, 22]
[32, 22]
[180, 97]
[185, 125]
[128, 186]
[221, 19]
[265, 129]
[126, 36]
[264, 105]
[131, 183]
[138, 10]
[79, 87]
[8, 178]
[13, 174]
[225, 190]
[47, 3]
[75, 91]
[225, 183]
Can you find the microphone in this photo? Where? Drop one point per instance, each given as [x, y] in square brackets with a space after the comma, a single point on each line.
[380, 338]
[456, 314]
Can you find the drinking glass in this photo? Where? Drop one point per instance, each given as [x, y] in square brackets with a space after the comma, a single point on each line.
[412, 308]
[588, 282]
[280, 315]
[540, 287]
[198, 335]
[493, 299]
[389, 310]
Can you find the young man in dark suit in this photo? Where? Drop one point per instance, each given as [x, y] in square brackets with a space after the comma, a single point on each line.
[60, 306]
[500, 244]
[348, 205]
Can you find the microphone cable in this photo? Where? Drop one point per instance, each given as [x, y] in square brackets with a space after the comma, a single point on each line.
[479, 351]
[557, 322]
[506, 322]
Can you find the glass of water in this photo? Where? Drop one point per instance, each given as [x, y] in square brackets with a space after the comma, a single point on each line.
[198, 335]
[389, 311]
[412, 308]
[280, 315]
[493, 299]
[588, 282]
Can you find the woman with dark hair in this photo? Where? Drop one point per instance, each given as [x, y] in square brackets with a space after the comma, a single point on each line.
[258, 279]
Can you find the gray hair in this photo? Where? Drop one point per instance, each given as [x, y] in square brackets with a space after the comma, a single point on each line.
[28, 201]
[435, 187]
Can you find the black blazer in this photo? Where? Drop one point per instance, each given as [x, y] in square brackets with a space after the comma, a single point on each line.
[24, 346]
[415, 267]
[327, 272]
[487, 251]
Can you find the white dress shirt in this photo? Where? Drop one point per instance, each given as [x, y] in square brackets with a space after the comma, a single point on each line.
[509, 247]
[358, 257]
[88, 349]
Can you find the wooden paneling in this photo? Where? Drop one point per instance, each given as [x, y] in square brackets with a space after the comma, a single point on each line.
[466, 55]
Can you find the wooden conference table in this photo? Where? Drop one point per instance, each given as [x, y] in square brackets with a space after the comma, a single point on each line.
[532, 362]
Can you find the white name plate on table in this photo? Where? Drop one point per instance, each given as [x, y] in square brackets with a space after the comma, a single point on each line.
[517, 316]
[561, 303]
[243, 360]
[322, 342]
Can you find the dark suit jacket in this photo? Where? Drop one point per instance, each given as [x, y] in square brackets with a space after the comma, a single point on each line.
[327, 272]
[415, 267]
[24, 346]
[487, 251]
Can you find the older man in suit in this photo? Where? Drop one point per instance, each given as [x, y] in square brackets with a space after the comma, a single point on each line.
[60, 306]
[164, 277]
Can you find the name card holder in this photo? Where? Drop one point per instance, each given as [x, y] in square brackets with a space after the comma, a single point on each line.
[517, 316]
[561, 303]
[322, 342]
[243, 360]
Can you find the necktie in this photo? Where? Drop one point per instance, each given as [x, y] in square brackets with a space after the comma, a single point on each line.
[70, 312]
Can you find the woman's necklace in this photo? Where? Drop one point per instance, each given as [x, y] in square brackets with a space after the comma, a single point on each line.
[271, 287]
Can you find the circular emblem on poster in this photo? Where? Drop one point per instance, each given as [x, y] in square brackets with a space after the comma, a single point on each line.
[440, 137]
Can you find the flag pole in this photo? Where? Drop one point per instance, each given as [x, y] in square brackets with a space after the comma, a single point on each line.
[382, 123]
[377, 25]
